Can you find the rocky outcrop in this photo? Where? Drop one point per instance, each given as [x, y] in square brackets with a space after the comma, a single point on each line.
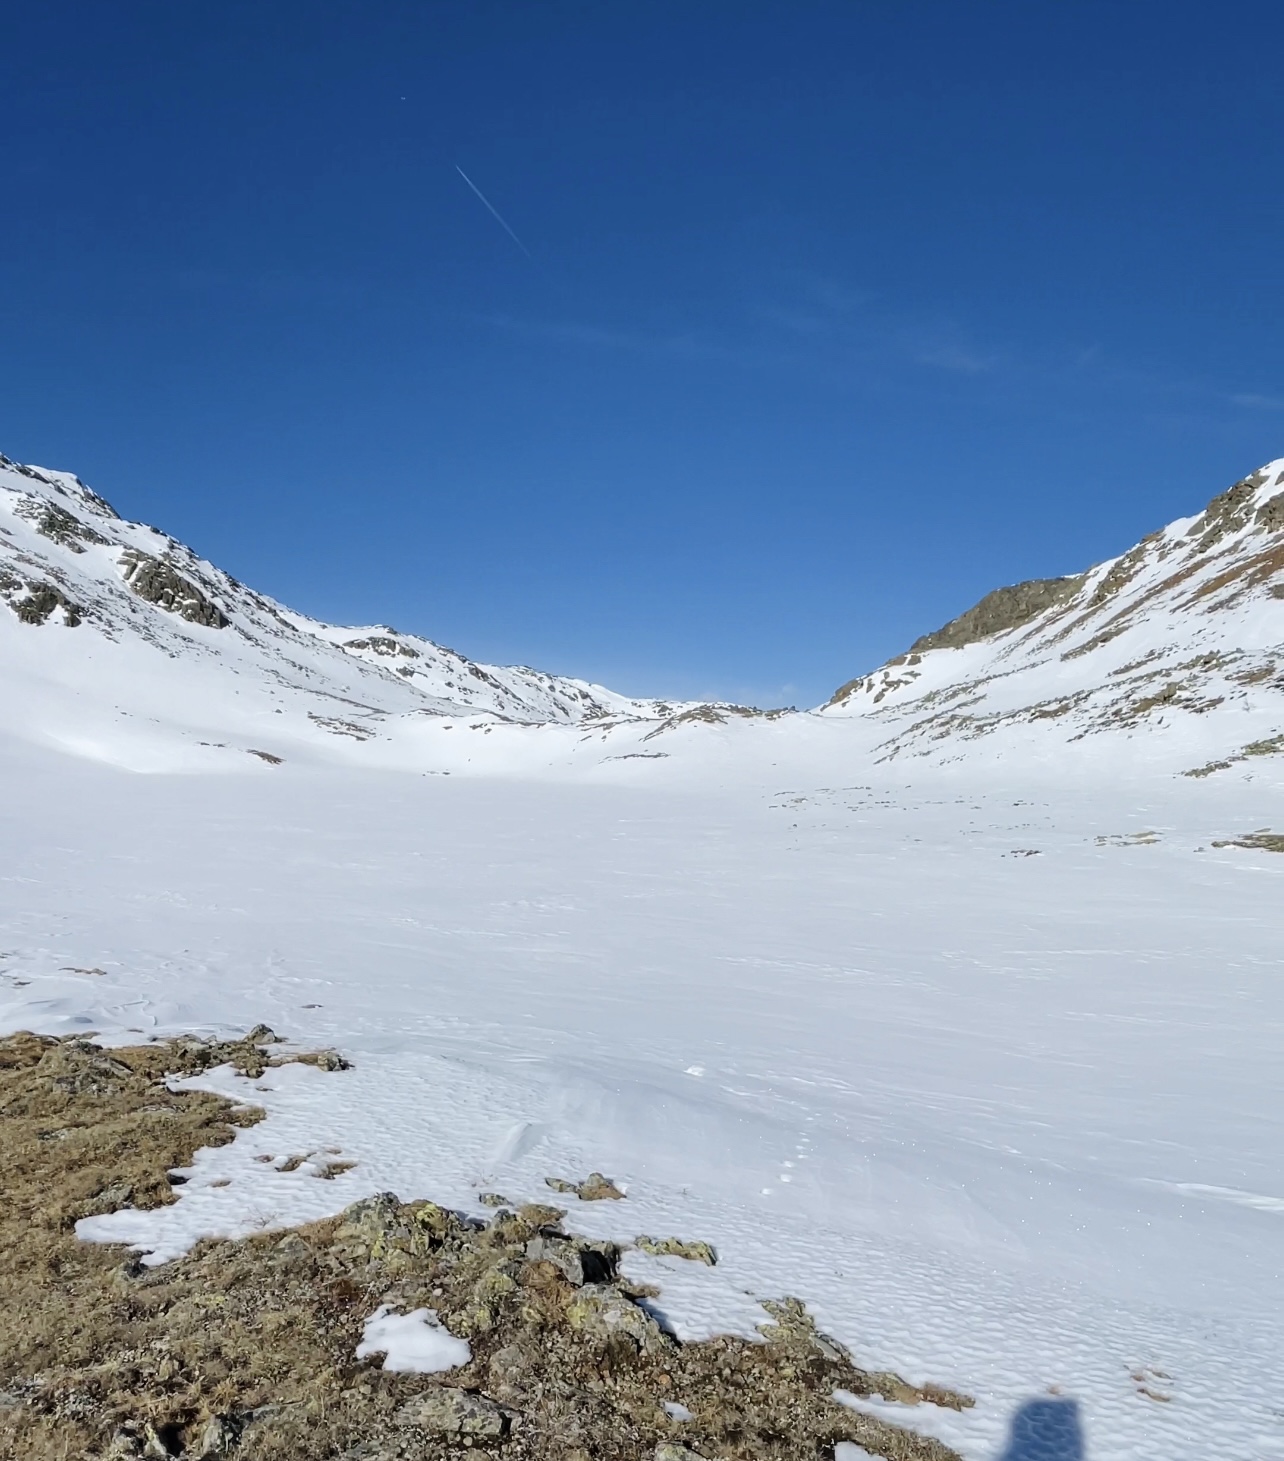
[59, 525]
[34, 600]
[158, 583]
[1001, 609]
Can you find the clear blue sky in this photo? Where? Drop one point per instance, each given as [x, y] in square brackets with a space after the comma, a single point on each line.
[836, 315]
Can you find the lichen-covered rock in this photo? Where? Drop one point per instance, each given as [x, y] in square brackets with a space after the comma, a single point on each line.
[381, 1230]
[578, 1260]
[603, 1311]
[594, 1188]
[454, 1413]
[696, 1251]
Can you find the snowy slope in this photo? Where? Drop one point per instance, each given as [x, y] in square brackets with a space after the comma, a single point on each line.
[985, 1069]
[120, 644]
[1186, 627]
[981, 1061]
[104, 621]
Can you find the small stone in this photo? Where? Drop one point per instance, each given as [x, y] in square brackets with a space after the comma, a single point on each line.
[493, 1199]
[263, 1035]
[454, 1412]
[671, 1451]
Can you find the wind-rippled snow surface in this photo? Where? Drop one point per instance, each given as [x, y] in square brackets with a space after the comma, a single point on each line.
[983, 1066]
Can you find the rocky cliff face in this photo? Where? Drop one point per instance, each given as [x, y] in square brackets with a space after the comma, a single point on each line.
[1187, 623]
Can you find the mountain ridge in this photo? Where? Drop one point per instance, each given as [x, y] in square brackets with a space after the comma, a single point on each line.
[137, 636]
[1189, 619]
[68, 558]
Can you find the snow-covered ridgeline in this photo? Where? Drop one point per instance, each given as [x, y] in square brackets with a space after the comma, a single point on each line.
[119, 643]
[1189, 623]
[100, 608]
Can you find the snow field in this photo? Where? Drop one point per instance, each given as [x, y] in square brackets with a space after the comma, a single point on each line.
[998, 1099]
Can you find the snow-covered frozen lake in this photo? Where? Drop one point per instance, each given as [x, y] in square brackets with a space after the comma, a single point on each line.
[984, 1064]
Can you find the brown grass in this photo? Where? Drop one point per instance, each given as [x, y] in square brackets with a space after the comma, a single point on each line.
[247, 1348]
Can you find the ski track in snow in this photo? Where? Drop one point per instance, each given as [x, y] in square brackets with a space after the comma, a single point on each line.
[1008, 1123]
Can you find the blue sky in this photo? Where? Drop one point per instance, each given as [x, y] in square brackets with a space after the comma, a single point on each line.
[834, 316]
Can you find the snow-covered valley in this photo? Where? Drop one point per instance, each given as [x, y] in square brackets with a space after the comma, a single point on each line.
[954, 1008]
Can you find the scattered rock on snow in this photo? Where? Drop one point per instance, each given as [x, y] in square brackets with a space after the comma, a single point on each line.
[697, 1251]
[594, 1188]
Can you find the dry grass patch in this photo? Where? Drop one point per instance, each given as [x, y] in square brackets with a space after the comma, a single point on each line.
[247, 1349]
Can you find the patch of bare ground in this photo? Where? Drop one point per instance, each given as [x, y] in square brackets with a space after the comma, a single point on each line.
[247, 1348]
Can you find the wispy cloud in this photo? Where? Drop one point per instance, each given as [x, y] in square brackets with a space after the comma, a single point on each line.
[1254, 402]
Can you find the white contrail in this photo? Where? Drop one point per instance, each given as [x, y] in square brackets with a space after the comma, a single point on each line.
[494, 212]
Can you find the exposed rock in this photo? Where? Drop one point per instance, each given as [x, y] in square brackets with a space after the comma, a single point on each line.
[579, 1261]
[381, 1229]
[58, 525]
[594, 1188]
[697, 1251]
[1002, 609]
[454, 1413]
[160, 584]
[603, 1311]
[82, 1069]
[42, 599]
[1264, 841]
[219, 1437]
[108, 1200]
[383, 644]
[1270, 516]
